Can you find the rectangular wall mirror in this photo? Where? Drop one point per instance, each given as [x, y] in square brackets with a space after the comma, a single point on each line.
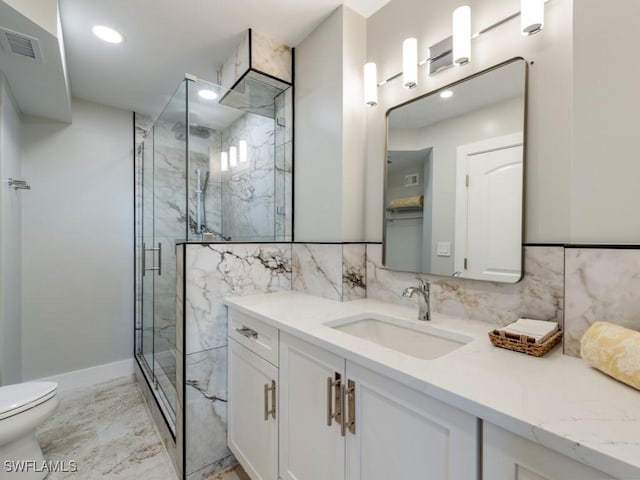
[454, 178]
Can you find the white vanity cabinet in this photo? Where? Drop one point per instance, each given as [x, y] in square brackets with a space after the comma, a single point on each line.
[402, 433]
[390, 430]
[510, 457]
[311, 447]
[252, 427]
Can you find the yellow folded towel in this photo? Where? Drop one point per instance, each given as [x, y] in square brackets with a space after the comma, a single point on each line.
[417, 201]
[614, 350]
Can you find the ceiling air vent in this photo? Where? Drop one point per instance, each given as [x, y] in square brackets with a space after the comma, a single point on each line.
[20, 44]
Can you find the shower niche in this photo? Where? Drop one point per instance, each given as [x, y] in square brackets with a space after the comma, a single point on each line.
[214, 167]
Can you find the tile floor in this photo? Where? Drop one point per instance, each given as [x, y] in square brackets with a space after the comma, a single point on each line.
[107, 430]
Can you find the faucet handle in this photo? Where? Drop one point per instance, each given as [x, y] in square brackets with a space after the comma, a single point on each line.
[424, 286]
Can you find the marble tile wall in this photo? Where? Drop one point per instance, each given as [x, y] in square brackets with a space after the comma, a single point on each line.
[538, 295]
[284, 165]
[248, 193]
[259, 52]
[601, 284]
[334, 271]
[214, 271]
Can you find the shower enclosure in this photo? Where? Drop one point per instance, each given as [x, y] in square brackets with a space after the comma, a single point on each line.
[216, 166]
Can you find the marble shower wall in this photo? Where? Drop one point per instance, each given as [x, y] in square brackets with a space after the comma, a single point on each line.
[334, 271]
[248, 189]
[214, 271]
[602, 284]
[284, 165]
[538, 295]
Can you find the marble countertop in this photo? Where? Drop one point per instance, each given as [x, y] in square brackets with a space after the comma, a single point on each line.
[556, 400]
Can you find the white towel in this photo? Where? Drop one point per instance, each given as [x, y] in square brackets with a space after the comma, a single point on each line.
[540, 330]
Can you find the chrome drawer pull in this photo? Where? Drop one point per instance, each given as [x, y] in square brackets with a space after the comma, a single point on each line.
[270, 411]
[349, 393]
[334, 398]
[247, 332]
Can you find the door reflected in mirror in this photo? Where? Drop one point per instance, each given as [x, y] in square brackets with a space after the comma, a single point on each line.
[454, 179]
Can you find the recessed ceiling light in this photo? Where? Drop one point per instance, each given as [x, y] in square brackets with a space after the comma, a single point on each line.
[446, 94]
[107, 34]
[208, 94]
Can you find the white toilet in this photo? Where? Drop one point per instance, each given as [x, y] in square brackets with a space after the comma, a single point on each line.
[23, 407]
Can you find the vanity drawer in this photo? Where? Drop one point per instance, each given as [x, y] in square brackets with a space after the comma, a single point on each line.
[257, 336]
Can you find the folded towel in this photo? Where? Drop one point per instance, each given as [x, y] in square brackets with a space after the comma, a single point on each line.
[614, 350]
[417, 201]
[539, 330]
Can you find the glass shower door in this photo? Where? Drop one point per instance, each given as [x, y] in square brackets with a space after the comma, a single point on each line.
[147, 277]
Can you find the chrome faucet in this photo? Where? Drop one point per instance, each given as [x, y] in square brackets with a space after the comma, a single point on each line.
[424, 308]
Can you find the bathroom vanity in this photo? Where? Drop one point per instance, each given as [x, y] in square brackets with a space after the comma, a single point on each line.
[315, 394]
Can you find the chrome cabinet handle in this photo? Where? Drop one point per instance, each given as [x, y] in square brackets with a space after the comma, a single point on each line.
[247, 332]
[270, 411]
[350, 406]
[334, 397]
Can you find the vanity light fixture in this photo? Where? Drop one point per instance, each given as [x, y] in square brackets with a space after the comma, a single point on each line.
[242, 151]
[446, 94]
[457, 46]
[462, 35]
[233, 156]
[107, 34]
[370, 84]
[224, 161]
[410, 63]
[207, 94]
[531, 16]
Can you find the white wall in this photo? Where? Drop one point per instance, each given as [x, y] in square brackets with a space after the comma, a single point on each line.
[354, 128]
[330, 131]
[548, 171]
[606, 102]
[77, 241]
[318, 131]
[10, 240]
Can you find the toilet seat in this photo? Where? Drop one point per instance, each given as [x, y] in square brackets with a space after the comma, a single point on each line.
[15, 399]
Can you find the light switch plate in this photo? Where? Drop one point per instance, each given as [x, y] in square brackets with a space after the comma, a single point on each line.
[444, 249]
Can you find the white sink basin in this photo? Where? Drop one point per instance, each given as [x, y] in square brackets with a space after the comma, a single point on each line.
[418, 340]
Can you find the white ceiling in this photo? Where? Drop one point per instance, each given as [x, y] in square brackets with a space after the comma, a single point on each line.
[167, 38]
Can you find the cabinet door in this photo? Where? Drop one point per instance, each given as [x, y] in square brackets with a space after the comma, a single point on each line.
[402, 433]
[310, 449]
[252, 424]
[509, 457]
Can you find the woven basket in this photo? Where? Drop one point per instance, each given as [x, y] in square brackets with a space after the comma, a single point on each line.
[523, 343]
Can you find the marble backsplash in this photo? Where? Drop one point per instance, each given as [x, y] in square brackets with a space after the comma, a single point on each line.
[601, 284]
[538, 295]
[334, 271]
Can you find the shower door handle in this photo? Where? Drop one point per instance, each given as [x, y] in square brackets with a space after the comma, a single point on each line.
[144, 259]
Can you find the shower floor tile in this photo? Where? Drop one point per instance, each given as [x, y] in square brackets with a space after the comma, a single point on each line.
[106, 430]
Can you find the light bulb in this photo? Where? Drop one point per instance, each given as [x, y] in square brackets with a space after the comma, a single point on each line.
[224, 161]
[233, 156]
[107, 34]
[461, 35]
[410, 63]
[370, 84]
[531, 16]
[242, 151]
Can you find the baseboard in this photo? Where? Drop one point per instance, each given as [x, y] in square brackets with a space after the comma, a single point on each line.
[91, 376]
